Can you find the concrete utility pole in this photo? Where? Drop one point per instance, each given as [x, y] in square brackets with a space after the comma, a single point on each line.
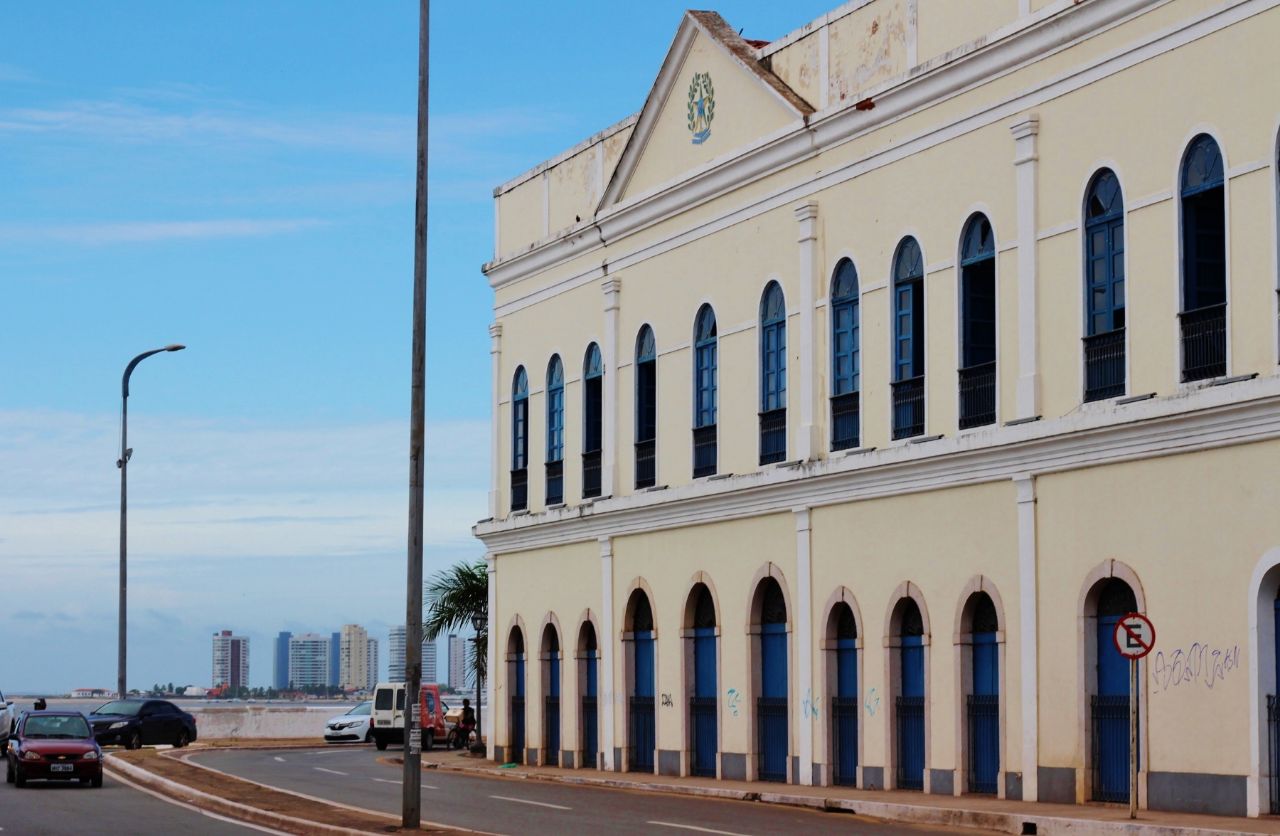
[123, 464]
[411, 812]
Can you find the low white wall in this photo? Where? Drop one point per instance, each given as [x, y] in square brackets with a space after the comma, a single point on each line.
[262, 721]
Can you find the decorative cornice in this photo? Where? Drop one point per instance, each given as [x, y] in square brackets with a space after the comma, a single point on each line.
[1204, 419]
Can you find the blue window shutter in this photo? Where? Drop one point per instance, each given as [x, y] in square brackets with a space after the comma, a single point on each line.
[846, 668]
[643, 663]
[704, 661]
[912, 651]
[986, 665]
[773, 660]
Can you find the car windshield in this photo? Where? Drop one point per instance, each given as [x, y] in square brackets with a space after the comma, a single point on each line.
[63, 726]
[364, 708]
[128, 708]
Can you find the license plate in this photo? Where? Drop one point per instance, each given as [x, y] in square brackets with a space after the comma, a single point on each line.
[62, 767]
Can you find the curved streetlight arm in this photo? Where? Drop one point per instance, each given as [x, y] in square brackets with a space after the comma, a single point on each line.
[128, 370]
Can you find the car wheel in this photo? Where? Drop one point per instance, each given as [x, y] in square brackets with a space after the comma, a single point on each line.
[368, 735]
[96, 781]
[134, 741]
[428, 739]
[381, 743]
[19, 779]
[182, 741]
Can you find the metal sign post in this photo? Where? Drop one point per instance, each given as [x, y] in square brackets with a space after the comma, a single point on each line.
[1134, 637]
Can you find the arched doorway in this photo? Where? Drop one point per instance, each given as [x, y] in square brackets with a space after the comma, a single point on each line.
[1110, 600]
[641, 737]
[908, 675]
[842, 633]
[550, 696]
[589, 685]
[772, 723]
[703, 716]
[979, 629]
[515, 675]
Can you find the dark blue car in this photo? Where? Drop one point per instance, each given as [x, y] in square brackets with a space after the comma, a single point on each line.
[135, 723]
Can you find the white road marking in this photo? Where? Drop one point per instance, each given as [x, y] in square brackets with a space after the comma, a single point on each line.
[387, 781]
[330, 771]
[280, 759]
[534, 803]
[694, 827]
[193, 809]
[429, 787]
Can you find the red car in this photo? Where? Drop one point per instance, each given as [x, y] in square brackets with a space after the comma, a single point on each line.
[54, 746]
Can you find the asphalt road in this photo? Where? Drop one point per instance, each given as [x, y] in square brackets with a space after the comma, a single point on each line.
[43, 809]
[352, 775]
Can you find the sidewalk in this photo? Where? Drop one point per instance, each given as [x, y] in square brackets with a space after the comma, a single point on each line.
[983, 812]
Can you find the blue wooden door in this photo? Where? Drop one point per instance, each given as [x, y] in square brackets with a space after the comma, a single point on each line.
[845, 713]
[1111, 716]
[910, 708]
[552, 710]
[642, 705]
[984, 715]
[590, 713]
[702, 709]
[517, 713]
[771, 708]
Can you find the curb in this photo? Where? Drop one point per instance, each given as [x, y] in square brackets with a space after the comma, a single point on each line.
[231, 809]
[1007, 822]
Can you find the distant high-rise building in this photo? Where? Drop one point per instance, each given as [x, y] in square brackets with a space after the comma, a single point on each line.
[310, 655]
[395, 667]
[429, 666]
[335, 663]
[371, 673]
[354, 655]
[230, 660]
[280, 672]
[458, 678]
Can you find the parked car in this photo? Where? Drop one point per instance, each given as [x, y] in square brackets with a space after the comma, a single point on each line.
[355, 725]
[53, 746]
[8, 720]
[388, 715]
[133, 723]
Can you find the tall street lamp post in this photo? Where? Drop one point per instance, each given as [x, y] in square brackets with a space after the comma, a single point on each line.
[477, 621]
[123, 464]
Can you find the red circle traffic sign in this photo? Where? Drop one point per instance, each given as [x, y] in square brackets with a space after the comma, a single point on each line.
[1134, 635]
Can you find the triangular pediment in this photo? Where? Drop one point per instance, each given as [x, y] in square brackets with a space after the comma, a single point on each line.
[712, 96]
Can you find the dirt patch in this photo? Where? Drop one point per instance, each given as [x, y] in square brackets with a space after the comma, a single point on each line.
[252, 795]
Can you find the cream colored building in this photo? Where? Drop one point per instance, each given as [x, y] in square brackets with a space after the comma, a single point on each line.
[354, 662]
[847, 395]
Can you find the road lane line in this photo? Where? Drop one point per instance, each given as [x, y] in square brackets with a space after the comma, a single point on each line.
[330, 771]
[694, 827]
[387, 781]
[280, 759]
[534, 803]
[192, 808]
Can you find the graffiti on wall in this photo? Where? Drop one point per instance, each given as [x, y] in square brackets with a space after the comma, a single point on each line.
[666, 701]
[735, 697]
[1200, 664]
[810, 704]
[873, 702]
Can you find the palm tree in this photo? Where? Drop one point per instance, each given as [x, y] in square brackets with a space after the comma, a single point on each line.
[453, 597]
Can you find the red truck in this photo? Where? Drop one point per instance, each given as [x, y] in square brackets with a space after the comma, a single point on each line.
[388, 715]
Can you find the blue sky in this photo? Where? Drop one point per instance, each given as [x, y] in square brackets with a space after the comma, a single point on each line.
[238, 176]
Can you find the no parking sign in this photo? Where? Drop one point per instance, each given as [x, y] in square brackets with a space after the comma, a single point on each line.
[1134, 636]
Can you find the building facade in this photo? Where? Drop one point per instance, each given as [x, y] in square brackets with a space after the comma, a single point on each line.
[353, 670]
[280, 668]
[395, 662]
[371, 664]
[459, 670]
[894, 361]
[430, 667]
[310, 657]
[230, 660]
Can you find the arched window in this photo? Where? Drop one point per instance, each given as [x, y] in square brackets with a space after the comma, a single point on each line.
[520, 441]
[516, 676]
[845, 362]
[773, 742]
[977, 324]
[1109, 701]
[1204, 262]
[704, 392]
[646, 408]
[589, 693]
[844, 700]
[773, 375]
[555, 431]
[908, 340]
[550, 696]
[979, 628]
[641, 715]
[1104, 348]
[909, 695]
[592, 420]
[703, 719]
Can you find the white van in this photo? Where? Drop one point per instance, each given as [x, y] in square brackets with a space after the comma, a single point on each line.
[388, 713]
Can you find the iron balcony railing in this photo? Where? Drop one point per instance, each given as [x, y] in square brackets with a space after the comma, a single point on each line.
[771, 715]
[1204, 342]
[551, 730]
[646, 469]
[702, 719]
[704, 451]
[984, 742]
[910, 718]
[1104, 375]
[1273, 736]
[844, 728]
[516, 755]
[844, 421]
[519, 489]
[908, 407]
[590, 732]
[555, 482]
[591, 474]
[977, 395]
[642, 739]
[1110, 767]
[773, 436]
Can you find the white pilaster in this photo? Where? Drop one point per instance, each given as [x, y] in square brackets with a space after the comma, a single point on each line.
[609, 452]
[804, 711]
[1026, 164]
[491, 560]
[605, 642]
[805, 431]
[1029, 637]
[495, 433]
